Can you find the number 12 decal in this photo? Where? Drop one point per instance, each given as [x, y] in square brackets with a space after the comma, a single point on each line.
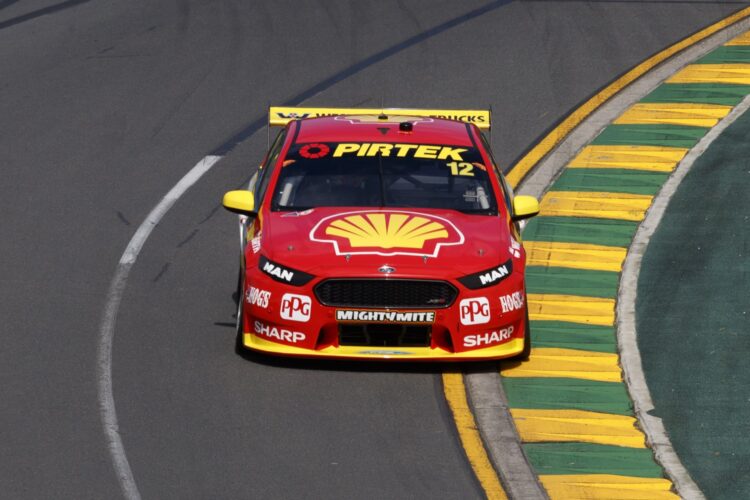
[463, 168]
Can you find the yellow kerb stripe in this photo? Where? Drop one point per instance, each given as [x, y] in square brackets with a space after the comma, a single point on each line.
[623, 206]
[608, 486]
[678, 113]
[567, 363]
[650, 158]
[574, 255]
[455, 394]
[537, 426]
[743, 39]
[570, 122]
[713, 73]
[571, 309]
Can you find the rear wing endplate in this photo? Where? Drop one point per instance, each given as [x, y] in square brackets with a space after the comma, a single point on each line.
[281, 115]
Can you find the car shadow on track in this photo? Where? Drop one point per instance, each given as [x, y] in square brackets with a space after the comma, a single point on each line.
[367, 366]
[363, 366]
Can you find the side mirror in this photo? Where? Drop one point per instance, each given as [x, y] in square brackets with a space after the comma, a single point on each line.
[240, 202]
[524, 207]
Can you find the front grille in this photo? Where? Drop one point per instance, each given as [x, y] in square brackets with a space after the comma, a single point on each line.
[386, 293]
[385, 335]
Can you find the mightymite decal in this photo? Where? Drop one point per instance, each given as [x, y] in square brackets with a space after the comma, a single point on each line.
[370, 316]
[386, 232]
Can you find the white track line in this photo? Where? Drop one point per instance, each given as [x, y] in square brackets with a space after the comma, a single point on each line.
[107, 411]
[627, 335]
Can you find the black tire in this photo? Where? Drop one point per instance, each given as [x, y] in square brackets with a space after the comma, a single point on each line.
[240, 299]
[526, 352]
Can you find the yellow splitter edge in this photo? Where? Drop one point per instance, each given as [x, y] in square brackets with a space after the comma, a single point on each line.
[366, 352]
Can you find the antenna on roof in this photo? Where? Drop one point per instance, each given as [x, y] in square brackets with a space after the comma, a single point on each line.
[268, 128]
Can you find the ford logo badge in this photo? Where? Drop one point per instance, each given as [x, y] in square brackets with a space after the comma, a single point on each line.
[387, 269]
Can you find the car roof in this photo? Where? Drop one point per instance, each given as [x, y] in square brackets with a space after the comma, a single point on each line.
[370, 128]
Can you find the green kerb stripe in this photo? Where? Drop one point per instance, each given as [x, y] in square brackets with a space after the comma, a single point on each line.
[565, 281]
[585, 458]
[563, 335]
[567, 393]
[615, 233]
[699, 93]
[727, 54]
[675, 136]
[612, 180]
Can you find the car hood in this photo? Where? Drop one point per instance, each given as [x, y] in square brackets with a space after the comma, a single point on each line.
[416, 243]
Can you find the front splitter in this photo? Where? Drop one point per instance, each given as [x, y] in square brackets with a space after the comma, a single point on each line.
[505, 350]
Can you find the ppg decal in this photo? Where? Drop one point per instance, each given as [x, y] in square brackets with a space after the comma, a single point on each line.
[475, 311]
[296, 307]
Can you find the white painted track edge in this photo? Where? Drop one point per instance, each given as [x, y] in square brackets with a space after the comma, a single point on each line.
[105, 393]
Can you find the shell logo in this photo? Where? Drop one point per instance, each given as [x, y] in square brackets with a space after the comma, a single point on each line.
[386, 232]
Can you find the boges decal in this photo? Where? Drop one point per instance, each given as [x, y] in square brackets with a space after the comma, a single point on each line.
[386, 232]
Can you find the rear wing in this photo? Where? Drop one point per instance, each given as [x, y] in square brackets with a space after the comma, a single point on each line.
[281, 115]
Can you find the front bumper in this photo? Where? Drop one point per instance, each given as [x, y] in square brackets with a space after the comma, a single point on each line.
[290, 321]
[506, 350]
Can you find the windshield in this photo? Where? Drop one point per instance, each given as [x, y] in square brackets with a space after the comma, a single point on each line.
[384, 175]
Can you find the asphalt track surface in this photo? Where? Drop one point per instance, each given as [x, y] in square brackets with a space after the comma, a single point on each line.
[105, 104]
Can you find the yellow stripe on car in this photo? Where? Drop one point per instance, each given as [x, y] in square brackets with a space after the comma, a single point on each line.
[281, 115]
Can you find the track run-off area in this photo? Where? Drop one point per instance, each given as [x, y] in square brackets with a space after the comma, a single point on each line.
[570, 406]
[109, 104]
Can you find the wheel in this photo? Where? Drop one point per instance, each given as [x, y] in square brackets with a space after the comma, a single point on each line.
[240, 300]
[526, 352]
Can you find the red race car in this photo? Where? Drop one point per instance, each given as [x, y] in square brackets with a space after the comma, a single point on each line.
[381, 234]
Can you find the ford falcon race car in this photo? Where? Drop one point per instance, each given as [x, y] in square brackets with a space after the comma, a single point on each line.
[381, 234]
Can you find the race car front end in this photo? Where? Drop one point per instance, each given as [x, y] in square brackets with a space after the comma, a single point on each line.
[383, 235]
[479, 316]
